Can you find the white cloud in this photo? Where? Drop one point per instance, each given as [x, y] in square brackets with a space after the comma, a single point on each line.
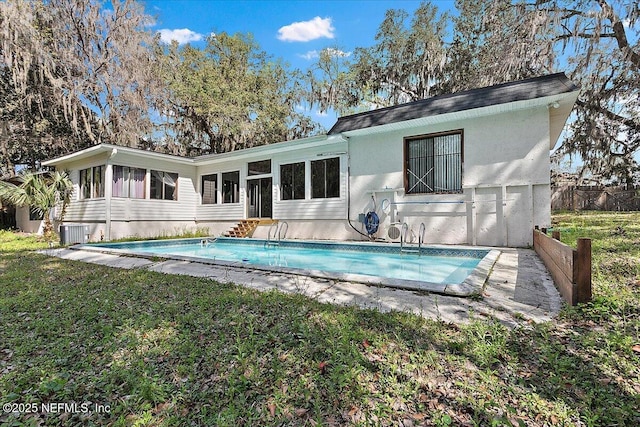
[182, 36]
[307, 30]
[313, 54]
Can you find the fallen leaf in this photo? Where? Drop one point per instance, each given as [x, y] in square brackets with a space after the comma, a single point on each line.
[301, 412]
[636, 348]
[366, 344]
[272, 409]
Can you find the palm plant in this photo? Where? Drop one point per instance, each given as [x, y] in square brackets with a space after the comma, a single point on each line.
[41, 192]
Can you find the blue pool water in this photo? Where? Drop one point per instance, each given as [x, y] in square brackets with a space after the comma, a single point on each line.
[433, 265]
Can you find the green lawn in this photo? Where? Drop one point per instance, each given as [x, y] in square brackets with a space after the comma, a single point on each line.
[162, 350]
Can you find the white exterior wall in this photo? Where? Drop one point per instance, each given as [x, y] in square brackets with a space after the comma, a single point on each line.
[112, 217]
[505, 181]
[182, 209]
[26, 225]
[288, 210]
[223, 211]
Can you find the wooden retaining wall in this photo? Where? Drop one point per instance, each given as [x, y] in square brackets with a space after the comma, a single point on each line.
[570, 268]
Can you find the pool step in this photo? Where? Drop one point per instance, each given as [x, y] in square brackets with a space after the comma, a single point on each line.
[246, 227]
[410, 250]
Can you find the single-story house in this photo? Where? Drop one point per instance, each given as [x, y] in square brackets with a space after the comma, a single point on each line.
[472, 166]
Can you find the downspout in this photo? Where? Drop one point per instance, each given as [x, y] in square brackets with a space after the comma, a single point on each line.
[346, 138]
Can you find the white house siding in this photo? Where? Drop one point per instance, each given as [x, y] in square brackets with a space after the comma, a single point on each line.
[309, 208]
[289, 210]
[505, 174]
[91, 212]
[150, 217]
[222, 211]
[113, 217]
[505, 181]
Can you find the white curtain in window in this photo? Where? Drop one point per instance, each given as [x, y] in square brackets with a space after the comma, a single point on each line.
[136, 184]
[169, 181]
[117, 189]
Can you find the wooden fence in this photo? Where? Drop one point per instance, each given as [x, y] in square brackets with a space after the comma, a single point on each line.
[595, 197]
[570, 268]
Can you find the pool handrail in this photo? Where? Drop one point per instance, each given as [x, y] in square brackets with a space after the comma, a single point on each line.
[403, 240]
[277, 232]
[285, 225]
[271, 227]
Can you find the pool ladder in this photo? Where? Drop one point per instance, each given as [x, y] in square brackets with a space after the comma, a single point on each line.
[277, 228]
[403, 239]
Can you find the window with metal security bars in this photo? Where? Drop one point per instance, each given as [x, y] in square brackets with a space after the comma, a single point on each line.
[433, 163]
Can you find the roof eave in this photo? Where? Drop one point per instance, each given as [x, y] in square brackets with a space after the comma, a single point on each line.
[114, 149]
[269, 149]
[565, 101]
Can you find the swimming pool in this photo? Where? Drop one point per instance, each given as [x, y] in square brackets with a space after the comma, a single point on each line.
[434, 269]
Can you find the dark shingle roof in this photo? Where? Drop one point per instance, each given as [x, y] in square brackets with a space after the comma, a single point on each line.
[522, 90]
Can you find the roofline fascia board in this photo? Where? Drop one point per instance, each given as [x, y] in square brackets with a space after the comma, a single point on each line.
[87, 152]
[114, 149]
[266, 150]
[446, 101]
[466, 114]
[310, 142]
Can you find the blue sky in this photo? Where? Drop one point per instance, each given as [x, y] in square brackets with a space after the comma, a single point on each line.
[293, 31]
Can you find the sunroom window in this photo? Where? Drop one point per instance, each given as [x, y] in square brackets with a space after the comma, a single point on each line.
[92, 182]
[292, 176]
[433, 163]
[128, 182]
[209, 189]
[325, 178]
[164, 185]
[231, 187]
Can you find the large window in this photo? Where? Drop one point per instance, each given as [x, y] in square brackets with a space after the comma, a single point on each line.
[231, 187]
[209, 189]
[164, 185]
[292, 178]
[92, 182]
[433, 163]
[325, 178]
[128, 182]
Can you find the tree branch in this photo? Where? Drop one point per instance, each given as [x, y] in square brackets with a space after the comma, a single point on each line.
[619, 33]
[630, 123]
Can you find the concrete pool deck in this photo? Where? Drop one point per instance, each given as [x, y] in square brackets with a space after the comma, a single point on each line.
[518, 289]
